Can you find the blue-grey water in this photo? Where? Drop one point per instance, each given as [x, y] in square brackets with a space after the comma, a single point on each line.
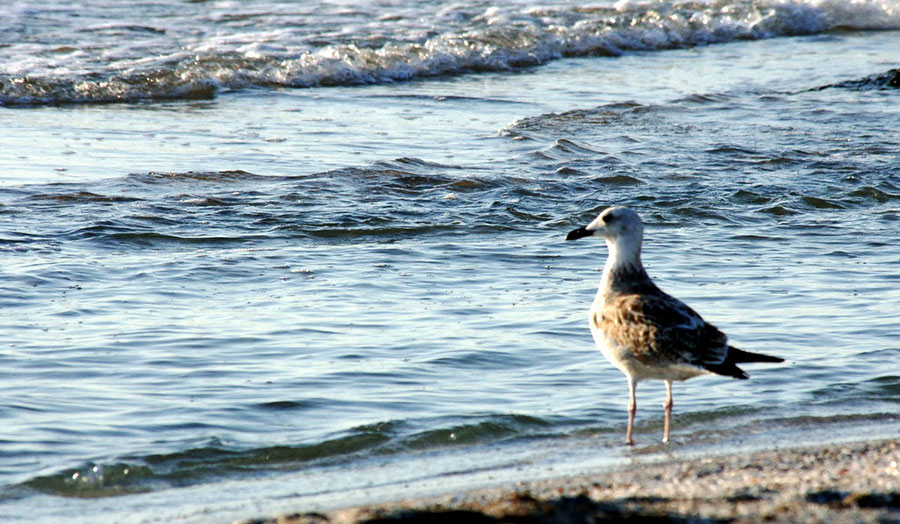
[271, 256]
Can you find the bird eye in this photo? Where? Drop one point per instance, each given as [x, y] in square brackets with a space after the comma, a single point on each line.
[608, 218]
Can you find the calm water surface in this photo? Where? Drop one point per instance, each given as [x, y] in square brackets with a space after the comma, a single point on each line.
[257, 257]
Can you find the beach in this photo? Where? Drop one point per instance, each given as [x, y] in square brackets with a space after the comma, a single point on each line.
[849, 483]
[268, 257]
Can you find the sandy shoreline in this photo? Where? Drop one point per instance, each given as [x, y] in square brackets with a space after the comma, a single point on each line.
[844, 483]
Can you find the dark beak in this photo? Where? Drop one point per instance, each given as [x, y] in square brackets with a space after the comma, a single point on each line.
[581, 232]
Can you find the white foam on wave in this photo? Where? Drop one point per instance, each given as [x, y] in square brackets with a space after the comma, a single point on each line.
[864, 15]
[509, 39]
[398, 46]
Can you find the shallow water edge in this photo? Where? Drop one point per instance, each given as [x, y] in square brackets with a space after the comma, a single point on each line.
[846, 482]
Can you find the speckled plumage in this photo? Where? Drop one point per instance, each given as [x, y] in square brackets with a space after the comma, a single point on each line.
[644, 332]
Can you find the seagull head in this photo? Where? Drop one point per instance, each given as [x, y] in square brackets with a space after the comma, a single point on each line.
[618, 225]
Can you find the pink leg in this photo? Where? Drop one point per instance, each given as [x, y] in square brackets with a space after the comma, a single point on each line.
[632, 409]
[668, 409]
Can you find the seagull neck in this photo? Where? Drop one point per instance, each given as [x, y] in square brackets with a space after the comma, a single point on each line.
[624, 272]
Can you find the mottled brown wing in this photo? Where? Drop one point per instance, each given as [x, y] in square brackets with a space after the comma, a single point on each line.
[660, 329]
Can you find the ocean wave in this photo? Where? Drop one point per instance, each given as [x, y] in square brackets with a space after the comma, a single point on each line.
[887, 80]
[401, 198]
[497, 39]
[137, 474]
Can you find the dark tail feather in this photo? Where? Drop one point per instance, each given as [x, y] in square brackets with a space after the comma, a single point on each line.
[727, 368]
[739, 356]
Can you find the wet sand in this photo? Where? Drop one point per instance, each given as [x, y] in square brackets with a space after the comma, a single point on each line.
[836, 484]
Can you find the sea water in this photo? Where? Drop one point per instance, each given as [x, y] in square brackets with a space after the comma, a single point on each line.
[274, 256]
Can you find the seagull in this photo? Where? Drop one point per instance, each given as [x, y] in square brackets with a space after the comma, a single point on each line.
[644, 332]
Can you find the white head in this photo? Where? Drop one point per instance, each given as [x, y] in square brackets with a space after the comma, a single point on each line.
[622, 229]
